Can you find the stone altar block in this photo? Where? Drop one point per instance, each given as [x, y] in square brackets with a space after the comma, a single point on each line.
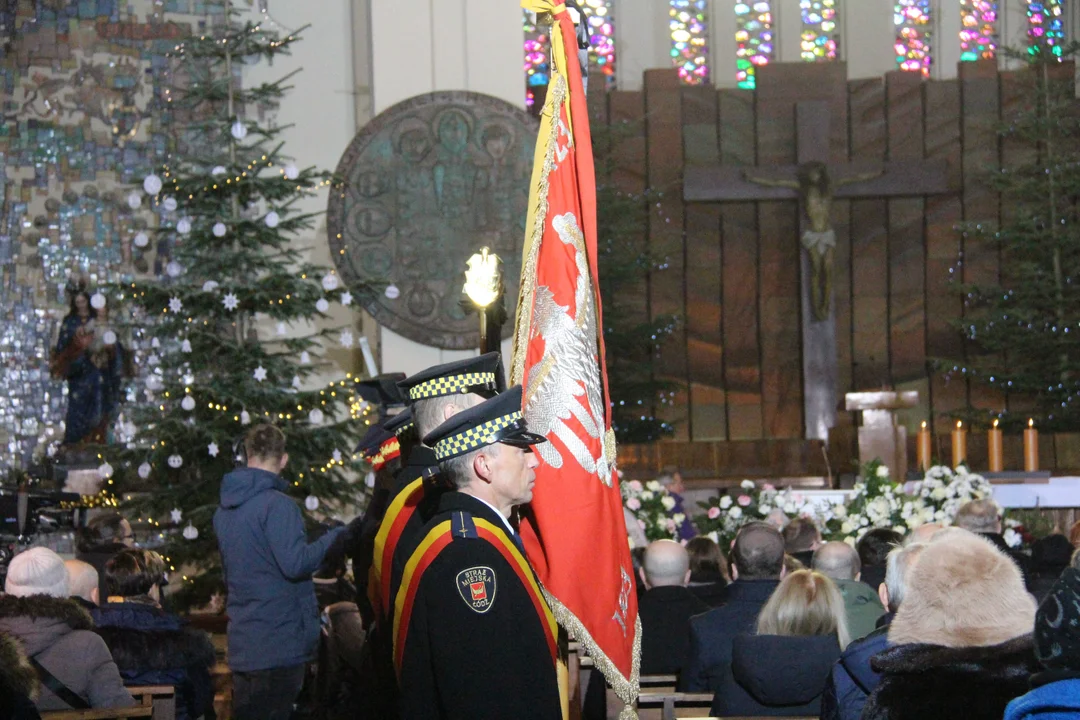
[879, 435]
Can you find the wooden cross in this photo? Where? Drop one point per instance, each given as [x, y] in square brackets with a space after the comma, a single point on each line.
[725, 183]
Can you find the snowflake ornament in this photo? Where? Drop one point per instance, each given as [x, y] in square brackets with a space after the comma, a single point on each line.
[322, 305]
[260, 373]
[141, 240]
[346, 338]
[213, 449]
[337, 456]
[152, 184]
[330, 282]
[175, 461]
[144, 470]
[230, 301]
[176, 515]
[346, 298]
[175, 305]
[188, 403]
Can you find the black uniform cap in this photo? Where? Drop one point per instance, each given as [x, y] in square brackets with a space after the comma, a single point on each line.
[383, 390]
[372, 441]
[400, 423]
[481, 375]
[497, 420]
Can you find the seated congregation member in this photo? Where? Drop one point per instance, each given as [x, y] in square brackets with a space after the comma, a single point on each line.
[708, 571]
[873, 549]
[781, 670]
[983, 517]
[104, 536]
[73, 664]
[18, 682]
[476, 638]
[840, 563]
[83, 583]
[852, 679]
[757, 564]
[673, 481]
[1055, 689]
[1050, 556]
[960, 645]
[923, 534]
[149, 645]
[665, 608]
[801, 539]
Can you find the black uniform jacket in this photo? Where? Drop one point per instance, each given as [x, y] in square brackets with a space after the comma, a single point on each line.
[473, 636]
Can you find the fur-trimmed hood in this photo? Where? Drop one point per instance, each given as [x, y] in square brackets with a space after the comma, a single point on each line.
[38, 621]
[16, 674]
[963, 592]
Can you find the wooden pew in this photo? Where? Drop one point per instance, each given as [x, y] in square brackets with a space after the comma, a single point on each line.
[157, 702]
[665, 705]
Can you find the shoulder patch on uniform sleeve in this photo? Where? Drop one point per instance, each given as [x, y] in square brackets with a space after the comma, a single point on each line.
[476, 585]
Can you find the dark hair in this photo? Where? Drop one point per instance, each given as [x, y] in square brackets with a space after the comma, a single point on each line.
[759, 552]
[800, 535]
[134, 571]
[265, 442]
[74, 310]
[875, 545]
[706, 558]
[104, 529]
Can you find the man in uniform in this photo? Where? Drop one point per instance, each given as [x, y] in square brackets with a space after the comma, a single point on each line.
[473, 635]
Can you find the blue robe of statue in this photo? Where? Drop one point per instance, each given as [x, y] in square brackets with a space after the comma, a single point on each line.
[94, 379]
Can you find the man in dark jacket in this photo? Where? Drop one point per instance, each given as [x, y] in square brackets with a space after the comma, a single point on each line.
[757, 564]
[852, 679]
[273, 616]
[665, 608]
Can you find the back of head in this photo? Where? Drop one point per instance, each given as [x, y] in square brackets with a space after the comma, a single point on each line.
[805, 603]
[106, 529]
[264, 444]
[666, 563]
[875, 545]
[897, 571]
[706, 559]
[1057, 624]
[838, 560]
[37, 571]
[963, 592]
[133, 572]
[82, 580]
[800, 535]
[979, 516]
[758, 553]
[923, 533]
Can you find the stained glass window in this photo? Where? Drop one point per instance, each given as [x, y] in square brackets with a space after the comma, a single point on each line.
[913, 49]
[689, 26]
[601, 22]
[1046, 24]
[820, 33]
[978, 29]
[753, 40]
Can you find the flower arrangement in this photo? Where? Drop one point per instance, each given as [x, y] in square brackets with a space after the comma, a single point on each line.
[725, 514]
[876, 501]
[651, 504]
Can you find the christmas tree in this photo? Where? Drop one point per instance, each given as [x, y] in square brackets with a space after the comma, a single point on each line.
[228, 322]
[1023, 333]
[632, 339]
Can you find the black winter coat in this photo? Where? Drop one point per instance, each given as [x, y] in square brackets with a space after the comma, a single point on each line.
[665, 614]
[18, 682]
[776, 676]
[932, 682]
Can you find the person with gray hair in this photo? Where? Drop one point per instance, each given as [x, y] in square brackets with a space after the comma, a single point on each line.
[665, 608]
[840, 562]
[983, 517]
[852, 678]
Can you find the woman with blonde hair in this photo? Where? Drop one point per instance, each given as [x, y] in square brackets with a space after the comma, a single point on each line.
[782, 669]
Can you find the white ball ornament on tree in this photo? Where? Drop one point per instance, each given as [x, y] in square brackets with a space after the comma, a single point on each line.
[322, 305]
[330, 282]
[109, 338]
[175, 461]
[272, 219]
[245, 419]
[210, 286]
[220, 229]
[392, 292]
[311, 503]
[105, 471]
[189, 379]
[174, 269]
[169, 203]
[97, 301]
[141, 240]
[144, 470]
[316, 416]
[291, 171]
[134, 201]
[191, 532]
[239, 130]
[183, 226]
[151, 184]
[218, 170]
[188, 403]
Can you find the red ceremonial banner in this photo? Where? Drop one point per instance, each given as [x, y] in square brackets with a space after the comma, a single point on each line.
[574, 529]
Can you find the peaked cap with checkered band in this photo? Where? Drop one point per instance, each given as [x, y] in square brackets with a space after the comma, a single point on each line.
[481, 375]
[498, 420]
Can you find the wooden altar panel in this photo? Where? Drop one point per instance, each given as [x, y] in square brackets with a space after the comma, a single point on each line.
[907, 313]
[663, 105]
[739, 278]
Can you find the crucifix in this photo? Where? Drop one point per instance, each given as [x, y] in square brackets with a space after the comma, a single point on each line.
[815, 182]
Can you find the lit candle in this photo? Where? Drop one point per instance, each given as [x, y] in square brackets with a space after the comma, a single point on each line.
[993, 446]
[923, 448]
[1031, 447]
[959, 444]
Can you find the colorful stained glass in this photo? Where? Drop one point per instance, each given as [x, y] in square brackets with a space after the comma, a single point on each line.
[913, 35]
[753, 40]
[1046, 25]
[689, 28]
[601, 22]
[978, 29]
[820, 34]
